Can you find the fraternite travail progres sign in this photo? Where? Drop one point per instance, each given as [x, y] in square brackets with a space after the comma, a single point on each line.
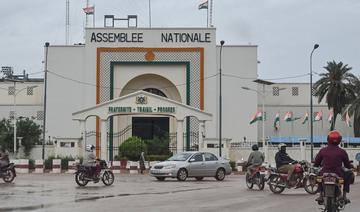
[122, 109]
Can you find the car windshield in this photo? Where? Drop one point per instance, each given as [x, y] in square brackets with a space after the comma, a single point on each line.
[180, 157]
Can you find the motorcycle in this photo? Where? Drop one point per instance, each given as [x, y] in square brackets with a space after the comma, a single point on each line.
[256, 176]
[332, 188]
[85, 174]
[8, 173]
[304, 176]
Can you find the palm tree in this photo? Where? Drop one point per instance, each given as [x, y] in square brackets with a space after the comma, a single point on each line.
[336, 85]
[354, 107]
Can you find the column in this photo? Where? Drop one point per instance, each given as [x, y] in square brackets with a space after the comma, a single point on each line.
[201, 135]
[179, 136]
[83, 135]
[103, 146]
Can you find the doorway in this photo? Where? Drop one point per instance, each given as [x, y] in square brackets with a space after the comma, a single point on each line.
[148, 128]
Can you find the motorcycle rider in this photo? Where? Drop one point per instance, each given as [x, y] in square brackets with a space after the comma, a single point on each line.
[332, 158]
[256, 158]
[92, 160]
[284, 163]
[4, 158]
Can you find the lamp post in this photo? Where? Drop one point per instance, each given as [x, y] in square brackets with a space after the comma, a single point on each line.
[220, 100]
[47, 44]
[311, 105]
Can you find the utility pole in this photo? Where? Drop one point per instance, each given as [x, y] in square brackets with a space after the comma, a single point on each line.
[45, 92]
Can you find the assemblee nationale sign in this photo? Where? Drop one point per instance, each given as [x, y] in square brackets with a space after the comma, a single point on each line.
[138, 37]
[141, 110]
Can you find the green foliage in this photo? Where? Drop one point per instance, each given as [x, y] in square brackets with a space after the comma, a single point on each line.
[132, 147]
[26, 128]
[157, 157]
[64, 161]
[118, 158]
[233, 165]
[158, 146]
[31, 164]
[48, 162]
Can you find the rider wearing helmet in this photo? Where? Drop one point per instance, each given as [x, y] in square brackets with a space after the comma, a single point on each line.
[332, 158]
[284, 163]
[91, 159]
[256, 158]
[4, 158]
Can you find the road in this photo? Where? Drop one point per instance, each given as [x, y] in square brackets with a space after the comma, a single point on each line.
[58, 192]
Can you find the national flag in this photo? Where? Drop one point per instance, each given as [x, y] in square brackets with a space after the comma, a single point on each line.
[318, 116]
[331, 116]
[288, 116]
[277, 121]
[306, 118]
[204, 5]
[89, 9]
[347, 119]
[256, 117]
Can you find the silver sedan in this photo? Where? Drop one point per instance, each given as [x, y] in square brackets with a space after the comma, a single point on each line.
[192, 164]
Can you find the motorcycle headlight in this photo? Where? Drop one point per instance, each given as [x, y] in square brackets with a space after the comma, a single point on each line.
[171, 166]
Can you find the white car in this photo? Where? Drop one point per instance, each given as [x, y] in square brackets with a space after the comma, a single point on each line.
[192, 164]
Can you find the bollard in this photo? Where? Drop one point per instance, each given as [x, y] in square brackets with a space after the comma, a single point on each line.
[23, 166]
[115, 167]
[71, 167]
[133, 167]
[56, 166]
[39, 166]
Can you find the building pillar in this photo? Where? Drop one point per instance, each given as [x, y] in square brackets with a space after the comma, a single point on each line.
[201, 135]
[103, 141]
[179, 136]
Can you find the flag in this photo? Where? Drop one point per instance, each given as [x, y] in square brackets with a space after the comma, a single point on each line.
[288, 116]
[256, 117]
[318, 116]
[331, 116]
[89, 9]
[203, 5]
[347, 119]
[306, 118]
[277, 121]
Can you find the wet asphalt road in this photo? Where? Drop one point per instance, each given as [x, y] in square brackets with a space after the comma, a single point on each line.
[54, 192]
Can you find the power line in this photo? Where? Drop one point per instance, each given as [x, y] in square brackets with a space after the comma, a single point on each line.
[252, 78]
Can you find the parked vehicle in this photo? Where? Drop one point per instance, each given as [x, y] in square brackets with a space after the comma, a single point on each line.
[304, 176]
[192, 164]
[85, 174]
[332, 188]
[256, 177]
[8, 173]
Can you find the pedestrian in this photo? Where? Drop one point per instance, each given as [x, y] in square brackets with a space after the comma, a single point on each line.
[142, 162]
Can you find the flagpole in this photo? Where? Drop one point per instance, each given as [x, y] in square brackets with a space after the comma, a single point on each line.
[207, 17]
[94, 17]
[150, 13]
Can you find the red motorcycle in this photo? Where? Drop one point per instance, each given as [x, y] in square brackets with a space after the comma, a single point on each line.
[256, 176]
[304, 176]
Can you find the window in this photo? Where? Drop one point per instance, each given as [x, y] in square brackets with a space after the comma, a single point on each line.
[198, 157]
[295, 91]
[210, 157]
[30, 91]
[276, 91]
[210, 146]
[40, 115]
[11, 91]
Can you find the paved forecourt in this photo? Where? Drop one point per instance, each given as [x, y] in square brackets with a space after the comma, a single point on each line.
[59, 192]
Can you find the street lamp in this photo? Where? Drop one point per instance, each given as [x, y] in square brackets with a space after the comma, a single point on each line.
[220, 100]
[263, 95]
[311, 104]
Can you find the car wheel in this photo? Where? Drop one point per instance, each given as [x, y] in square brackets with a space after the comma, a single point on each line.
[199, 178]
[220, 174]
[182, 175]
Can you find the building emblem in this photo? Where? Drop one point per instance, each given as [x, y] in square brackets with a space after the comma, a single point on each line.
[142, 100]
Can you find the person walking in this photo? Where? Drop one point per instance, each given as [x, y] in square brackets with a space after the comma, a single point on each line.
[142, 162]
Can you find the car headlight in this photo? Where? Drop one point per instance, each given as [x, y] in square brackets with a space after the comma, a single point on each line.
[171, 166]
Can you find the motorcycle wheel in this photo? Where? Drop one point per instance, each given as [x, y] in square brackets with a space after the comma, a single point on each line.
[274, 180]
[9, 176]
[330, 205]
[261, 182]
[108, 178]
[249, 182]
[310, 184]
[79, 179]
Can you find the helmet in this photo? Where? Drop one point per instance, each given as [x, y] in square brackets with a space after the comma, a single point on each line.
[281, 145]
[334, 137]
[255, 147]
[89, 147]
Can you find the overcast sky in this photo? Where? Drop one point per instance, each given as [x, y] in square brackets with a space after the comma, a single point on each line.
[284, 30]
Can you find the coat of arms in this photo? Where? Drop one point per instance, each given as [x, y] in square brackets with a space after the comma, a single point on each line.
[142, 100]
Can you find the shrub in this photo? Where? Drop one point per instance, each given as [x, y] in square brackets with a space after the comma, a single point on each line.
[158, 146]
[132, 147]
[233, 165]
[157, 157]
[31, 164]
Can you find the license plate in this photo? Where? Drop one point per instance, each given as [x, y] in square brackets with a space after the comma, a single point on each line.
[155, 171]
[264, 172]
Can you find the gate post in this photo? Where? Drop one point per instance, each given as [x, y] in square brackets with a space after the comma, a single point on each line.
[179, 136]
[103, 149]
[201, 135]
[83, 136]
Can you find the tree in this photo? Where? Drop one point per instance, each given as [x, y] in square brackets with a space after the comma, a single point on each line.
[26, 128]
[354, 107]
[336, 85]
[132, 147]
